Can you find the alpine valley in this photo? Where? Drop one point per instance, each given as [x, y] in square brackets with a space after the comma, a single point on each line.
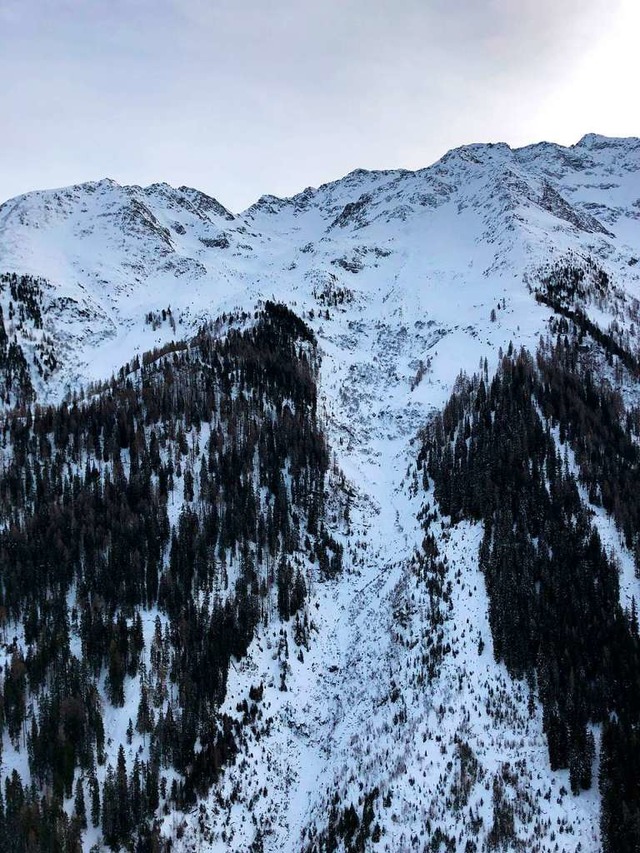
[320, 523]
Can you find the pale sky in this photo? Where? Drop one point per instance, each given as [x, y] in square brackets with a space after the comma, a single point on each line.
[244, 97]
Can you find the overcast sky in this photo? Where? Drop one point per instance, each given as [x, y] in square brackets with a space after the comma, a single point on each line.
[244, 97]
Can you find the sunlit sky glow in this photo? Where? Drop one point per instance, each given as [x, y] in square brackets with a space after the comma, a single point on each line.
[244, 97]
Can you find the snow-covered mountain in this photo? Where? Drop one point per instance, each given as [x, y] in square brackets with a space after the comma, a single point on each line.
[407, 279]
[467, 225]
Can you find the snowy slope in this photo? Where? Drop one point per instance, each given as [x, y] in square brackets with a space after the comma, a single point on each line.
[399, 273]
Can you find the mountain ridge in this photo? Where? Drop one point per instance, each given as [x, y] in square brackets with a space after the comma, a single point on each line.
[588, 140]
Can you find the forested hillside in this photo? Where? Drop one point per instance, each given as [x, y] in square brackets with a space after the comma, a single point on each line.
[146, 530]
[514, 452]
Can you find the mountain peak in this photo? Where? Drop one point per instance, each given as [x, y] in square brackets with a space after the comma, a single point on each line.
[479, 148]
[597, 140]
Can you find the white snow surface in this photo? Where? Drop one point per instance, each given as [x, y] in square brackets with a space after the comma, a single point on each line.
[416, 261]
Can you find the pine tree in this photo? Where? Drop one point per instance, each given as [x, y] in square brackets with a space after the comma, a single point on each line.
[94, 790]
[122, 796]
[79, 809]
